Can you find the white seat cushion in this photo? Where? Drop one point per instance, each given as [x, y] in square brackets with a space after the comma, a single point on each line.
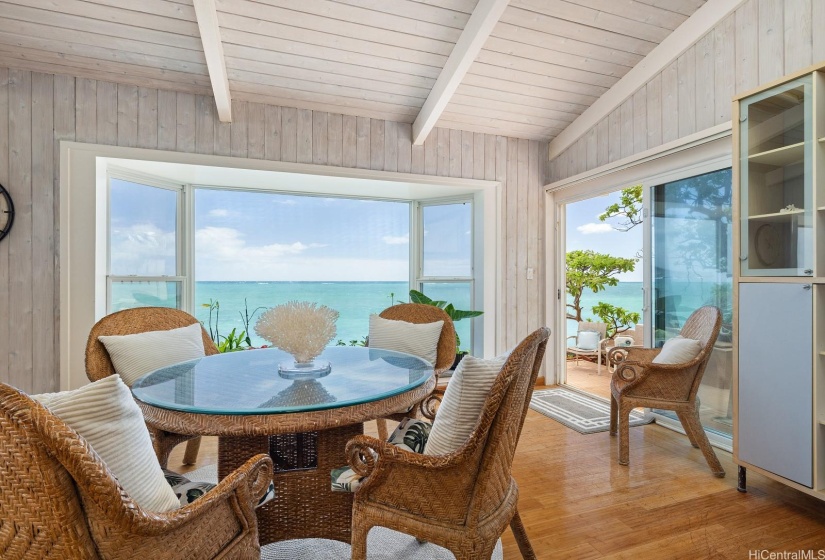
[587, 340]
[417, 339]
[107, 417]
[462, 404]
[678, 350]
[135, 355]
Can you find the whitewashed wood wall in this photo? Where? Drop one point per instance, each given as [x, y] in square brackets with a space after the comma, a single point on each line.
[760, 41]
[38, 110]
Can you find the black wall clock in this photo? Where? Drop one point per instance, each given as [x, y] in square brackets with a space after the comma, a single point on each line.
[6, 212]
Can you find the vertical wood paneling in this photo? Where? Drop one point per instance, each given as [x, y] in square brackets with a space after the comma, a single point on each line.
[602, 142]
[127, 115]
[614, 136]
[390, 146]
[335, 139]
[418, 156]
[686, 67]
[724, 60]
[289, 134]
[670, 102]
[747, 45]
[65, 126]
[106, 113]
[147, 118]
[798, 36]
[20, 242]
[223, 138]
[431, 153]
[404, 142]
[363, 147]
[186, 122]
[304, 131]
[86, 104]
[490, 157]
[255, 131]
[704, 64]
[5, 311]
[272, 133]
[521, 237]
[376, 144]
[592, 148]
[167, 119]
[627, 128]
[478, 156]
[511, 242]
[533, 188]
[639, 121]
[205, 114]
[350, 139]
[320, 134]
[653, 126]
[771, 40]
[581, 155]
[43, 219]
[818, 23]
[455, 152]
[443, 152]
[467, 146]
[238, 136]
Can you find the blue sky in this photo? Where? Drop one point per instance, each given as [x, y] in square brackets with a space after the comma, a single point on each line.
[585, 231]
[256, 236]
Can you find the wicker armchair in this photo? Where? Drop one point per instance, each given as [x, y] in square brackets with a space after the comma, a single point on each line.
[462, 501]
[420, 313]
[59, 501]
[637, 382]
[596, 352]
[139, 320]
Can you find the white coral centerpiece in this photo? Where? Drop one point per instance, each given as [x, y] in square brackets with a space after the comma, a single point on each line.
[300, 328]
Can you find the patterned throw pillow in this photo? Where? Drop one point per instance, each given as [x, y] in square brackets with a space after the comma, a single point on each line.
[187, 491]
[417, 339]
[410, 435]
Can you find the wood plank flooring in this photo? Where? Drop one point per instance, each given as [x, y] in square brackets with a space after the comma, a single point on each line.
[577, 502]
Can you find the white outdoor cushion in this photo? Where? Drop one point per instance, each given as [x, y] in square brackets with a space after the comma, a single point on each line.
[417, 339]
[678, 350]
[462, 403]
[135, 355]
[587, 340]
[105, 415]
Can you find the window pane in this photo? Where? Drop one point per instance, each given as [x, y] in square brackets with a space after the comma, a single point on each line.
[460, 295]
[263, 249]
[127, 295]
[142, 229]
[448, 240]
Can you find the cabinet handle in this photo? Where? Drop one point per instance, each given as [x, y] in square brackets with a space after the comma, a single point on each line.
[806, 286]
[809, 271]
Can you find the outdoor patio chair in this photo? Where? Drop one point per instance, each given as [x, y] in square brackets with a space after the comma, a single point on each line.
[419, 313]
[644, 377]
[591, 339]
[59, 500]
[462, 500]
[141, 320]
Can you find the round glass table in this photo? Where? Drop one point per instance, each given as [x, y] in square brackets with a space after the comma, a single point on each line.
[302, 421]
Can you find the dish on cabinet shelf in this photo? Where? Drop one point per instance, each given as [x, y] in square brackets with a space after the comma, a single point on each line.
[767, 244]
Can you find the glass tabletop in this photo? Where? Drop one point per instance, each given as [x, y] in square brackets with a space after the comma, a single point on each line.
[249, 382]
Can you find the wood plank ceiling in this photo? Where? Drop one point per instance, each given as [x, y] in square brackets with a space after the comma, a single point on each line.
[545, 62]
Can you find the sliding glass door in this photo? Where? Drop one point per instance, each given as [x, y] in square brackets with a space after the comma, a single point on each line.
[690, 264]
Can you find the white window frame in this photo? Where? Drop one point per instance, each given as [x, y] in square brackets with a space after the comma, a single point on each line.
[84, 172]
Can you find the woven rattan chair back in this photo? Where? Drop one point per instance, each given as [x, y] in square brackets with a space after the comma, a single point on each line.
[702, 325]
[41, 515]
[134, 321]
[462, 501]
[58, 500]
[420, 313]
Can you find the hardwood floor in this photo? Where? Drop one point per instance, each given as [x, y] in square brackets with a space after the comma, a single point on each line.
[577, 502]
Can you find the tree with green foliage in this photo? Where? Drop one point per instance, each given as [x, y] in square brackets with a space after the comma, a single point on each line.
[629, 206]
[618, 319]
[594, 271]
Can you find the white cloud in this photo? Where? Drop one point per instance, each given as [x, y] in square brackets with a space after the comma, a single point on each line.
[219, 213]
[396, 239]
[587, 229]
[143, 249]
[285, 202]
[228, 245]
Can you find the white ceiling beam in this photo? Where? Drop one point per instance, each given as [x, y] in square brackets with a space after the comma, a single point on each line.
[683, 37]
[478, 28]
[207, 16]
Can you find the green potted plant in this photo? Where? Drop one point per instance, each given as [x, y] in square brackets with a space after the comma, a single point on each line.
[455, 314]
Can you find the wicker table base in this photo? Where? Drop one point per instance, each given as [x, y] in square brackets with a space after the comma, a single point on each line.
[305, 507]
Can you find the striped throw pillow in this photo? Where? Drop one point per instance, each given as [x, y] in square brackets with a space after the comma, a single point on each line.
[462, 404]
[135, 355]
[417, 339]
[107, 417]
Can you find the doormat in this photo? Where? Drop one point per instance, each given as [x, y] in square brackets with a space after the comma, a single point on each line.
[584, 413]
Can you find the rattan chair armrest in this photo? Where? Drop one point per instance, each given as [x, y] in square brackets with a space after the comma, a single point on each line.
[248, 482]
[367, 455]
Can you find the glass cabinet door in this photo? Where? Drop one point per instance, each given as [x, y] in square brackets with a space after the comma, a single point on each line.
[776, 147]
